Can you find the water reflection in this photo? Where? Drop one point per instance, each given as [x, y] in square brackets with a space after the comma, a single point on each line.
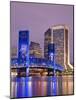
[41, 86]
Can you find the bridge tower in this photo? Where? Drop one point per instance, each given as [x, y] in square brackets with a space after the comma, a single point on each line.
[51, 54]
[23, 49]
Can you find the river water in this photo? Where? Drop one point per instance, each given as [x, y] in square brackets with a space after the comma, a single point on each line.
[41, 86]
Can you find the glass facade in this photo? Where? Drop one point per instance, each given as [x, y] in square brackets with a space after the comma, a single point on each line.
[58, 39]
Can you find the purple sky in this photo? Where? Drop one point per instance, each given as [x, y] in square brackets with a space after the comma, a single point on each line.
[37, 18]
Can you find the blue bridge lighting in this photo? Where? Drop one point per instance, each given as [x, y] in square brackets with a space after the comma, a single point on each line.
[36, 61]
[24, 60]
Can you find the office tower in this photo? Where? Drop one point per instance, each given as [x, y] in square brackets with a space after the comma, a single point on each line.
[59, 35]
[61, 40]
[35, 50]
[47, 40]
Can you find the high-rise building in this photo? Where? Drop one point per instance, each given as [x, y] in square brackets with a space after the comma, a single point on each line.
[47, 41]
[60, 37]
[35, 50]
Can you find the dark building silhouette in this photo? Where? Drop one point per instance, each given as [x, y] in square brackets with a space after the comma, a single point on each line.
[47, 41]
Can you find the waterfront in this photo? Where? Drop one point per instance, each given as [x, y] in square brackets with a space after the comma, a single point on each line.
[41, 86]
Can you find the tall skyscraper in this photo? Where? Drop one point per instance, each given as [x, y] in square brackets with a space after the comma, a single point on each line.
[60, 37]
[35, 50]
[47, 41]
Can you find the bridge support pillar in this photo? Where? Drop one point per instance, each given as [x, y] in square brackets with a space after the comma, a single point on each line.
[54, 72]
[18, 72]
[27, 71]
[48, 72]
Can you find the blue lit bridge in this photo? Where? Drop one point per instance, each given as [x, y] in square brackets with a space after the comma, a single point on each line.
[26, 64]
[36, 65]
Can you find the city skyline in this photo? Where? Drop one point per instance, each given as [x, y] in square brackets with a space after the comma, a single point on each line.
[57, 35]
[41, 46]
[50, 37]
[38, 20]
